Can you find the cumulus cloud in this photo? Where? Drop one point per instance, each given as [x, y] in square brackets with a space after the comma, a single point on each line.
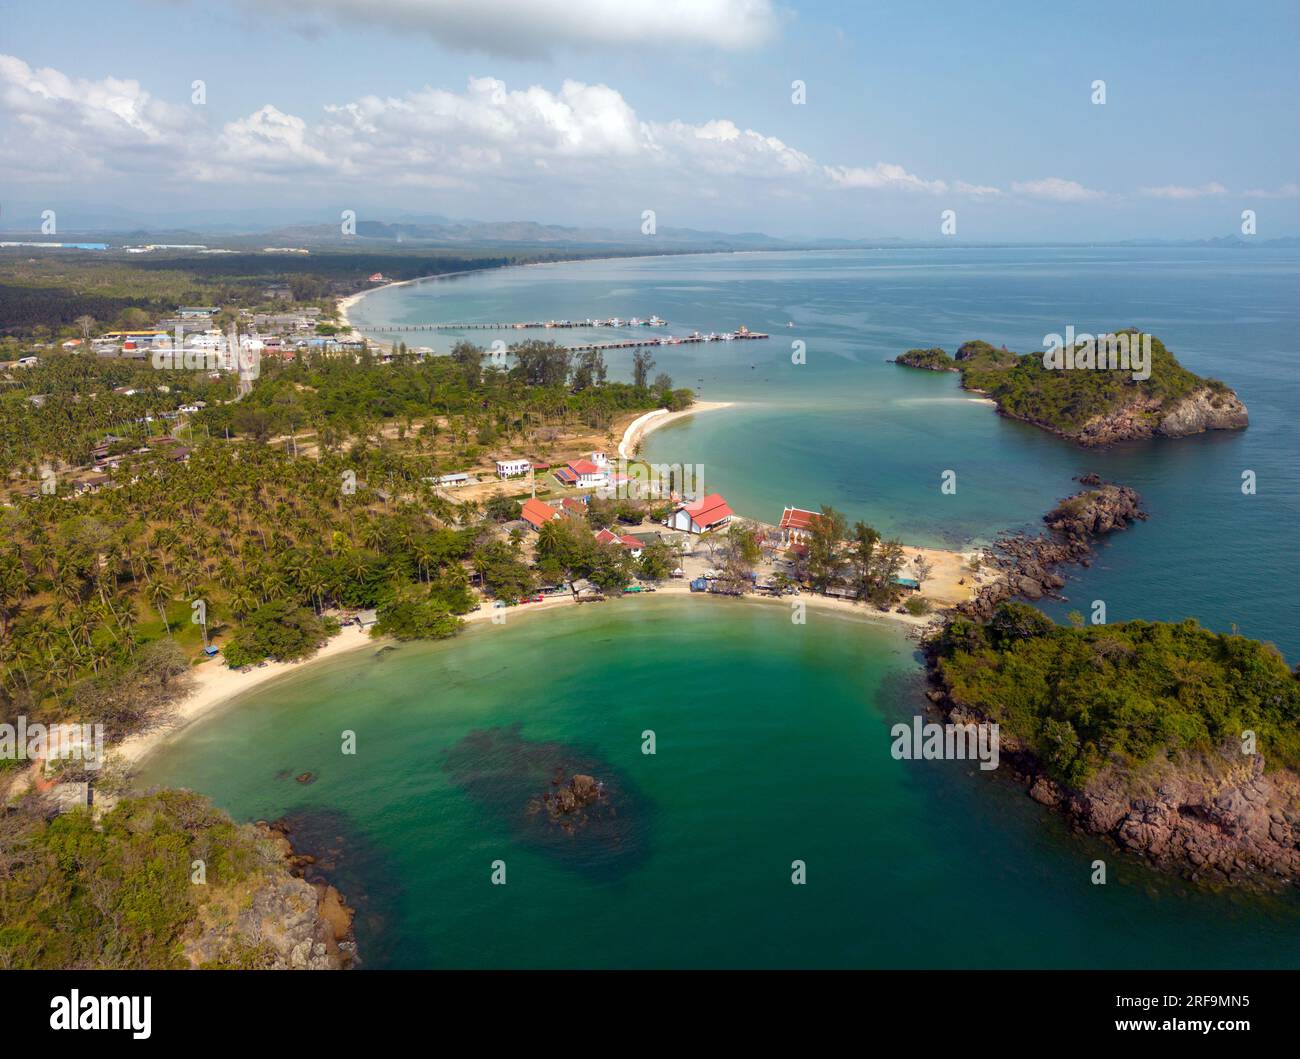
[880, 176]
[1178, 191]
[72, 124]
[535, 28]
[486, 136]
[1056, 189]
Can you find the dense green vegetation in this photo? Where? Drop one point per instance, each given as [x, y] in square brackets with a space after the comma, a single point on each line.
[934, 359]
[118, 893]
[416, 619]
[1062, 400]
[87, 584]
[1124, 694]
[79, 406]
[338, 397]
[42, 293]
[279, 629]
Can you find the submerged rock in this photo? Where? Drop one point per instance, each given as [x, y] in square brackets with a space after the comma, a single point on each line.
[553, 797]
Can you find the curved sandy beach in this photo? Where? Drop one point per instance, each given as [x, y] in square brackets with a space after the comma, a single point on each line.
[643, 425]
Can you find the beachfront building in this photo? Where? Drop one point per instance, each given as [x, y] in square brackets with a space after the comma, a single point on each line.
[584, 473]
[796, 525]
[709, 512]
[634, 546]
[512, 468]
[537, 513]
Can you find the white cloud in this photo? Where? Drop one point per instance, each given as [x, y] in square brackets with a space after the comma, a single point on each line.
[1056, 189]
[69, 125]
[1288, 190]
[1179, 192]
[578, 136]
[532, 28]
[880, 176]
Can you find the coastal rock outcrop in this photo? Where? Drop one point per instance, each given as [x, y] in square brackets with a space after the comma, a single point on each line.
[1212, 816]
[1205, 409]
[285, 923]
[1216, 819]
[1028, 565]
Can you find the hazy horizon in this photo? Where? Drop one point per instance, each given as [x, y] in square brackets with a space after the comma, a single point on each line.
[797, 120]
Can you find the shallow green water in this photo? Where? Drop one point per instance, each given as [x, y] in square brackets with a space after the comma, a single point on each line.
[772, 746]
[773, 739]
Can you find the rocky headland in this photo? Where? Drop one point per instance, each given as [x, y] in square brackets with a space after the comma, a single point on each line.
[289, 920]
[1100, 723]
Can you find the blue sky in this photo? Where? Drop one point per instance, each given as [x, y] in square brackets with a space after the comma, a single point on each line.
[592, 111]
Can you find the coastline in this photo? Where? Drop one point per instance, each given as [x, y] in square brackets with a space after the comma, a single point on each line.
[217, 684]
[344, 304]
[644, 425]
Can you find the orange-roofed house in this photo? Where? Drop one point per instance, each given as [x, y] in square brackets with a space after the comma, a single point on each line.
[699, 516]
[797, 525]
[537, 513]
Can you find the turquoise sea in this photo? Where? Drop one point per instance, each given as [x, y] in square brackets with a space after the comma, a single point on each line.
[772, 739]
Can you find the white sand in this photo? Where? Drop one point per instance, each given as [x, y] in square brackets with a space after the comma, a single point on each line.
[216, 683]
[651, 421]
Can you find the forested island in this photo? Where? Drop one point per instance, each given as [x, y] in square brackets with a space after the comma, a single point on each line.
[1090, 405]
[1180, 744]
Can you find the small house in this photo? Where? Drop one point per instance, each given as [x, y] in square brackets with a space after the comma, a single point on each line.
[537, 513]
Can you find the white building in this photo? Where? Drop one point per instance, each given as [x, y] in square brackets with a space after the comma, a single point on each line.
[699, 516]
[512, 468]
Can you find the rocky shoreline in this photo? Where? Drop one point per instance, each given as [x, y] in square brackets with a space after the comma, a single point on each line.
[1218, 818]
[291, 921]
[1204, 409]
[1028, 565]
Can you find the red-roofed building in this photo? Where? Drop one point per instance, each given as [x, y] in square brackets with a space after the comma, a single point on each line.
[630, 543]
[699, 516]
[583, 474]
[797, 525]
[537, 513]
[571, 505]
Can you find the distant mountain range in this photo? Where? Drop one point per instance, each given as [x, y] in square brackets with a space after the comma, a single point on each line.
[243, 229]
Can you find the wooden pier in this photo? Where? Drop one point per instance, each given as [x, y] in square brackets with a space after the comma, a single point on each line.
[521, 325]
[741, 334]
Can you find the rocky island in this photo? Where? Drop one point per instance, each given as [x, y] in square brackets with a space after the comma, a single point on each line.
[1179, 744]
[1091, 406]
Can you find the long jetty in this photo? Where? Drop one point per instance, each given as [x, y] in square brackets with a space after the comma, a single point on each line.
[523, 325]
[694, 337]
[635, 343]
